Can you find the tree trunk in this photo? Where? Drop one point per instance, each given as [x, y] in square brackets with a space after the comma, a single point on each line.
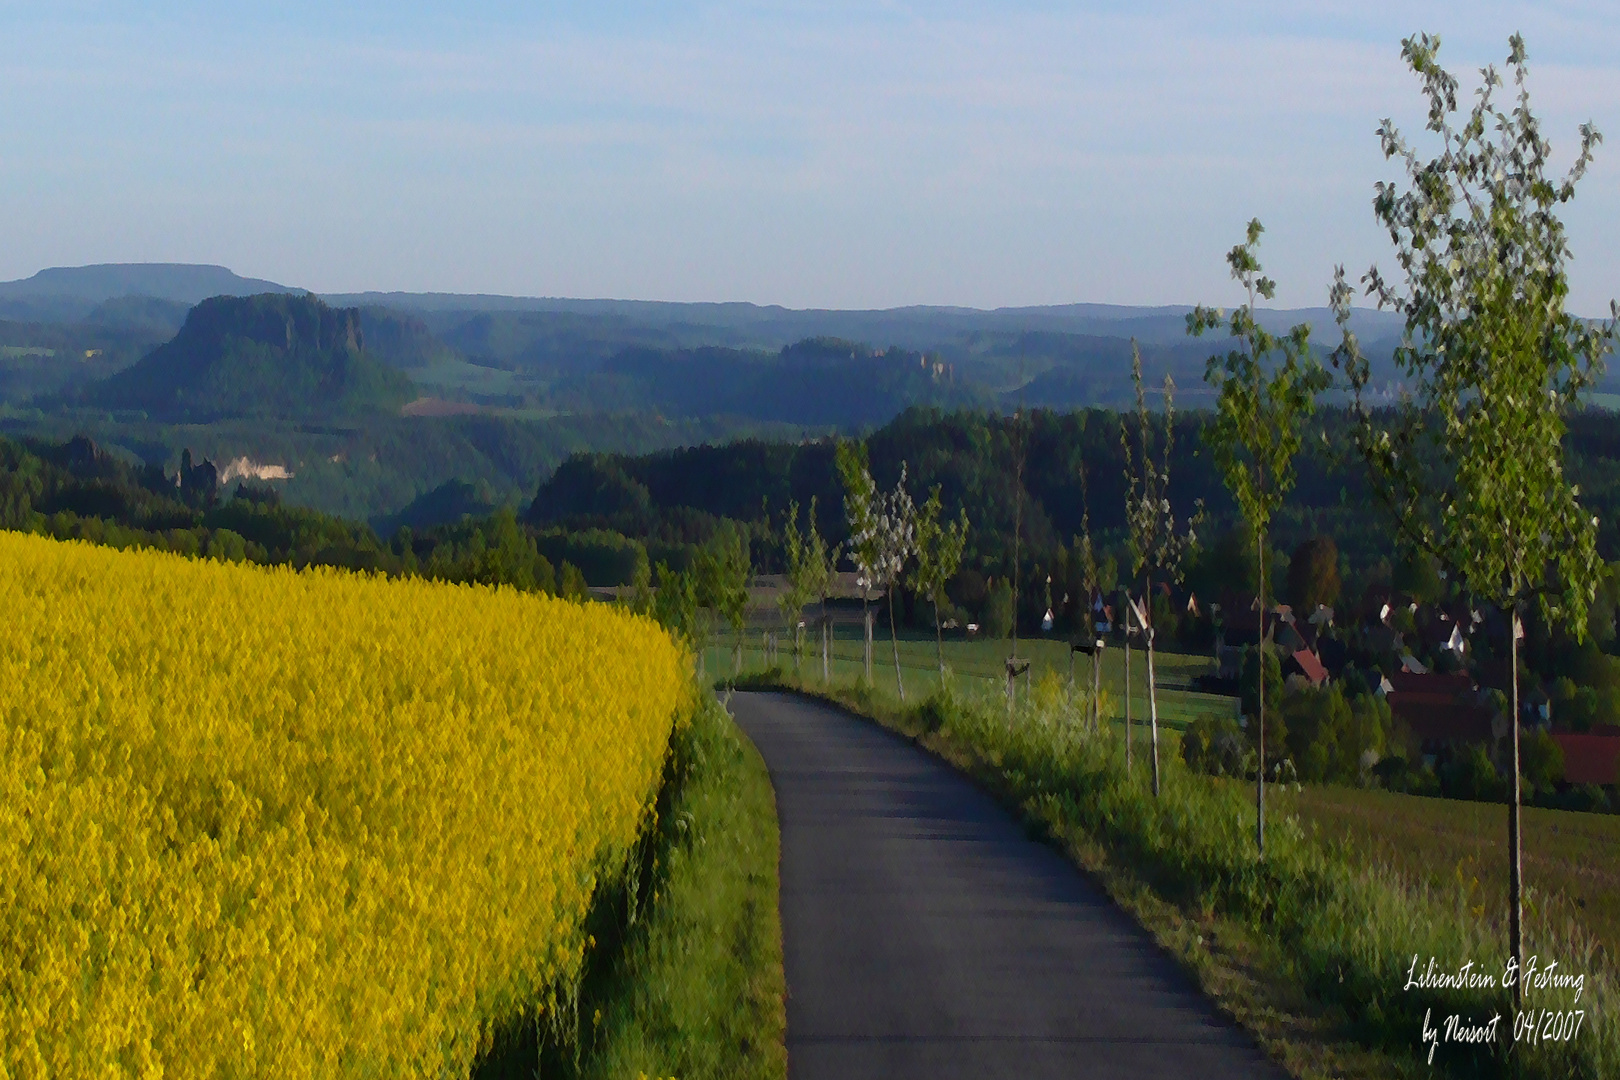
[866, 622]
[939, 645]
[894, 646]
[826, 635]
[1515, 864]
[1153, 694]
[1153, 710]
[1127, 682]
[1260, 773]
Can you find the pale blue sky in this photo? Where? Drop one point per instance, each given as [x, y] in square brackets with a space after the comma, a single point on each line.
[842, 155]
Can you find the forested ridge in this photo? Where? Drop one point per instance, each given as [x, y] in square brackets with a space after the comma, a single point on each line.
[621, 508]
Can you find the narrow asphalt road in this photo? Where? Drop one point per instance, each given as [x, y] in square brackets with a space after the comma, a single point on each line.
[925, 935]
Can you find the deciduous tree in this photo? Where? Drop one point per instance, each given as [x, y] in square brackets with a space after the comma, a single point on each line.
[1157, 543]
[807, 572]
[1267, 387]
[1471, 461]
[939, 554]
[1313, 576]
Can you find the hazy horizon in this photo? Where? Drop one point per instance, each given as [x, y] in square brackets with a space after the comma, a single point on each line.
[808, 156]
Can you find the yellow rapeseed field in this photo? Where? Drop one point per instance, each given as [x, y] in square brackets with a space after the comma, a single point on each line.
[267, 823]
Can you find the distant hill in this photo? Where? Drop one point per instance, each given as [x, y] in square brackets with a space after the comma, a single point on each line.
[544, 356]
[449, 502]
[821, 382]
[161, 319]
[402, 340]
[273, 355]
[923, 327]
[69, 293]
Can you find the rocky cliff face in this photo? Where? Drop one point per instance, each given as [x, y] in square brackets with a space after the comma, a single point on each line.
[273, 354]
[280, 321]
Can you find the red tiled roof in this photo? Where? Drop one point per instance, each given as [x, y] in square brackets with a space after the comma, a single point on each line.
[1590, 759]
[1311, 666]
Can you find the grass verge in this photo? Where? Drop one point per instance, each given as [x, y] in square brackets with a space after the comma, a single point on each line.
[1310, 948]
[685, 979]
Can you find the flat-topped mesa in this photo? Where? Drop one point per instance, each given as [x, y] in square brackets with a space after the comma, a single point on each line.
[271, 355]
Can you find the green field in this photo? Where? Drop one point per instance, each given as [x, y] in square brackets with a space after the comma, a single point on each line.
[1571, 859]
[983, 661]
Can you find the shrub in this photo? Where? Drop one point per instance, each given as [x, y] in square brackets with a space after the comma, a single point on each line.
[1249, 694]
[1541, 762]
[998, 610]
[1332, 739]
[1215, 744]
[1470, 774]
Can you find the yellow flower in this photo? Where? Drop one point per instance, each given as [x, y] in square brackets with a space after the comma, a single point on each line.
[256, 821]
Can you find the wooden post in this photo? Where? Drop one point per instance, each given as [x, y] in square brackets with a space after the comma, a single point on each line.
[826, 661]
[868, 622]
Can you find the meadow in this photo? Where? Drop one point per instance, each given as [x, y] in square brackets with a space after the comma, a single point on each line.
[262, 822]
[981, 663]
[1571, 860]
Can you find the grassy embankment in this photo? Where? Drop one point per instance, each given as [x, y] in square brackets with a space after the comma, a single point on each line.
[1309, 949]
[686, 980]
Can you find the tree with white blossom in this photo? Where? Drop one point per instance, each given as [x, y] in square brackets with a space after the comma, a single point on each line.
[882, 538]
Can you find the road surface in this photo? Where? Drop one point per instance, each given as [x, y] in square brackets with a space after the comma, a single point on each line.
[925, 935]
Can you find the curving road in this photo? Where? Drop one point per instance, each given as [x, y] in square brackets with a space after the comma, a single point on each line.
[925, 935]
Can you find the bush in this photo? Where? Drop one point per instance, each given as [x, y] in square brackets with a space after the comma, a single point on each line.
[1541, 761]
[998, 611]
[1588, 798]
[1412, 778]
[1334, 739]
[1249, 692]
[1217, 745]
[1470, 774]
[605, 558]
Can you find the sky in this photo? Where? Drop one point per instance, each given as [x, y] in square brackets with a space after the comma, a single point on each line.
[805, 154]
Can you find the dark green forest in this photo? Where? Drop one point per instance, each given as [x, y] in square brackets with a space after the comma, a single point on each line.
[670, 502]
